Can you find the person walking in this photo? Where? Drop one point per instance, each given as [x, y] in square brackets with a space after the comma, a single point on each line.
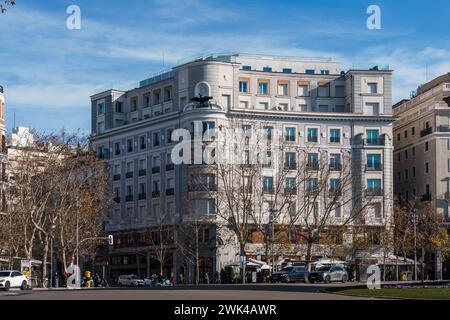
[206, 278]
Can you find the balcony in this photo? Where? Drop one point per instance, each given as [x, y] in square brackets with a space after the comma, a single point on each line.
[170, 192]
[129, 175]
[443, 129]
[426, 197]
[374, 141]
[156, 170]
[290, 191]
[116, 177]
[373, 168]
[202, 187]
[129, 198]
[156, 194]
[290, 166]
[426, 132]
[116, 199]
[170, 167]
[335, 167]
[312, 166]
[142, 172]
[374, 192]
[142, 196]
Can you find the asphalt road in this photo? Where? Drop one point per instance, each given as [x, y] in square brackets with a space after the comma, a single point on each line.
[211, 292]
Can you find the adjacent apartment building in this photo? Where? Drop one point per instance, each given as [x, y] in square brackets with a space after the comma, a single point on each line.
[422, 148]
[310, 100]
[3, 152]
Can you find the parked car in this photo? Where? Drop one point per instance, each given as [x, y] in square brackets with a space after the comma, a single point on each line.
[12, 279]
[329, 274]
[130, 281]
[296, 274]
[278, 276]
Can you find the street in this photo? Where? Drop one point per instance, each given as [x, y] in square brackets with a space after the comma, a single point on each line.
[210, 292]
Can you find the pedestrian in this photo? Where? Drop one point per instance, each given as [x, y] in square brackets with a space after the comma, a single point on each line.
[172, 279]
[206, 278]
[181, 278]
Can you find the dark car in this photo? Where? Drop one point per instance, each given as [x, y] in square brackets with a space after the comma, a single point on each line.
[278, 276]
[329, 274]
[296, 274]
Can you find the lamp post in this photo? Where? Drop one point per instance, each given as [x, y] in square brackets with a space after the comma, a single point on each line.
[51, 256]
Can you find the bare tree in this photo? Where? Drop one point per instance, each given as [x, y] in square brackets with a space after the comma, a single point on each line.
[6, 4]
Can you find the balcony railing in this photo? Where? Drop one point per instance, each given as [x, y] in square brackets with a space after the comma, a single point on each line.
[375, 141]
[426, 197]
[129, 198]
[290, 191]
[142, 172]
[374, 192]
[170, 167]
[156, 194]
[314, 166]
[335, 167]
[142, 196]
[116, 177]
[426, 131]
[268, 190]
[378, 167]
[117, 199]
[170, 192]
[156, 170]
[129, 175]
[203, 187]
[290, 166]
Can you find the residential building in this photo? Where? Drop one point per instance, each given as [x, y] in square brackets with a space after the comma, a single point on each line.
[422, 148]
[310, 100]
[2, 160]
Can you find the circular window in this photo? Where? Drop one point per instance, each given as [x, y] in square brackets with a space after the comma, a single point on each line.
[202, 88]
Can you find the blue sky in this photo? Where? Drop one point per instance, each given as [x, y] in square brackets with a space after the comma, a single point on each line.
[49, 72]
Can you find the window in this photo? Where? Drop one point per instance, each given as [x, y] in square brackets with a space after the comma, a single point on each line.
[134, 101]
[339, 108]
[130, 145]
[169, 133]
[247, 68]
[287, 70]
[323, 91]
[372, 136]
[335, 184]
[399, 176]
[267, 69]
[119, 107]
[372, 87]
[398, 137]
[267, 160]
[302, 108]
[101, 108]
[413, 130]
[284, 106]
[414, 151]
[303, 90]
[243, 86]
[335, 161]
[335, 136]
[310, 71]
[143, 142]
[323, 108]
[406, 134]
[208, 125]
[156, 139]
[325, 72]
[283, 89]
[427, 167]
[374, 186]
[167, 93]
[340, 91]
[147, 101]
[448, 165]
[414, 172]
[374, 161]
[312, 134]
[289, 184]
[142, 188]
[313, 161]
[264, 105]
[263, 88]
[406, 174]
[268, 185]
[268, 132]
[406, 154]
[289, 134]
[426, 146]
[312, 184]
[289, 160]
[373, 109]
[205, 206]
[117, 148]
[243, 104]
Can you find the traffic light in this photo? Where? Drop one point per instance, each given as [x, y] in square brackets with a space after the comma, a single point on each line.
[111, 240]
